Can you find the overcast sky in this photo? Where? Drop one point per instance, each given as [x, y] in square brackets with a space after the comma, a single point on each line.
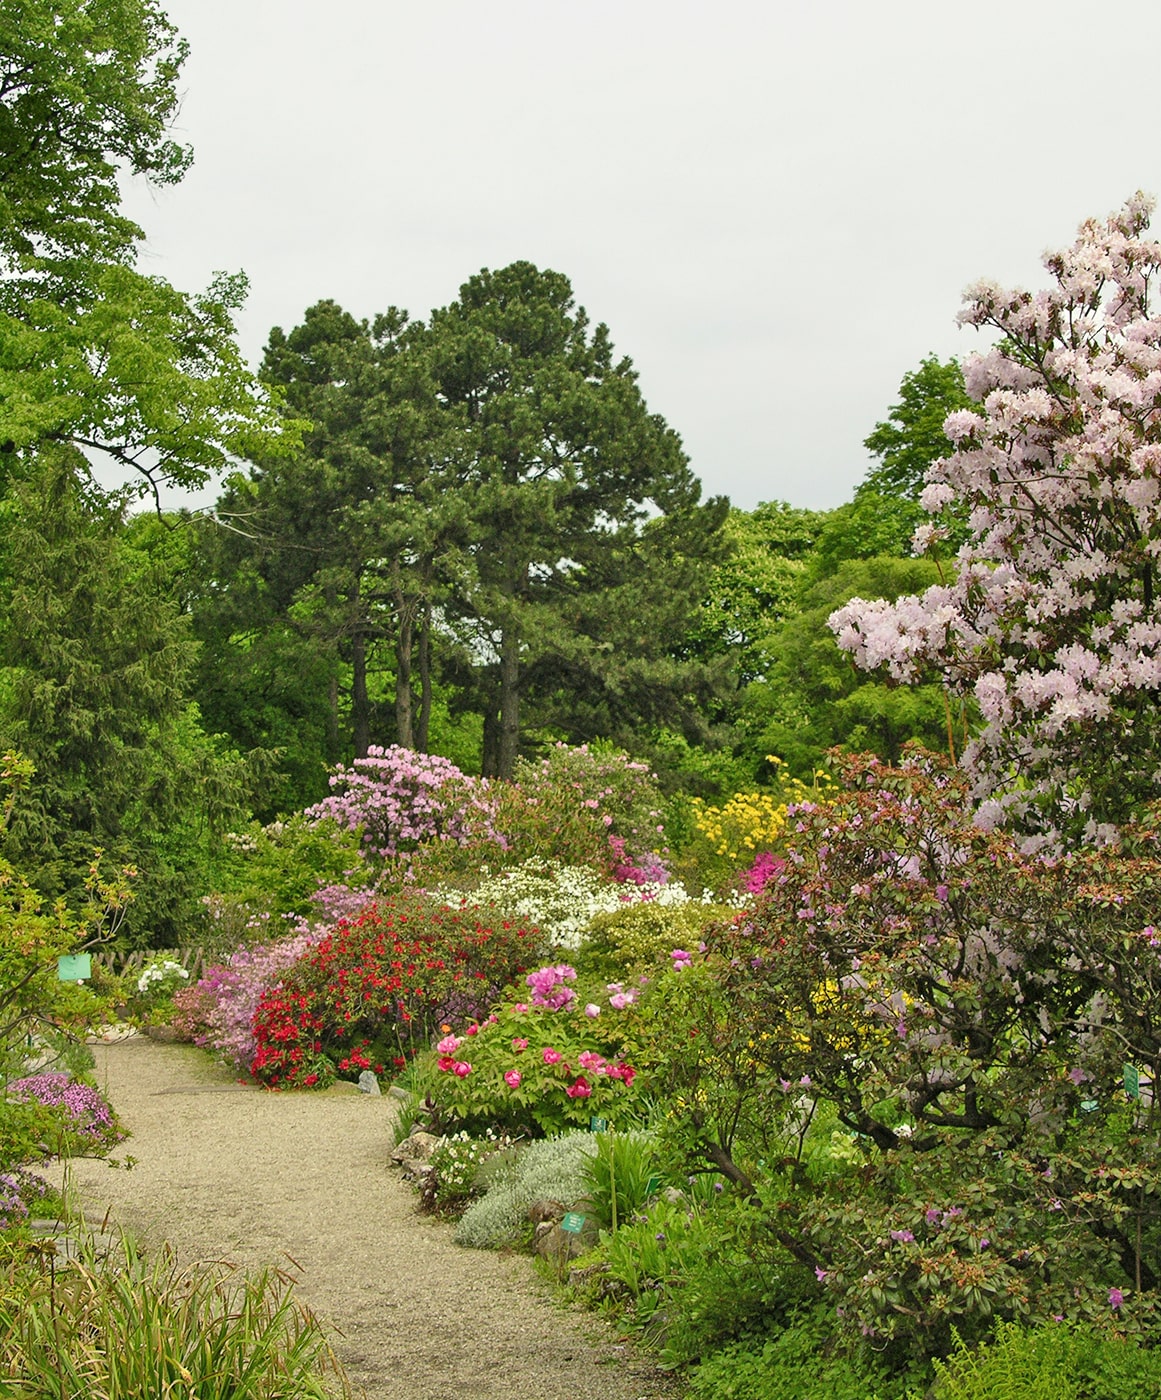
[775, 207]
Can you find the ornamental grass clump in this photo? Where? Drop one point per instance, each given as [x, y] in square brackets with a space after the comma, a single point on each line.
[374, 990]
[128, 1328]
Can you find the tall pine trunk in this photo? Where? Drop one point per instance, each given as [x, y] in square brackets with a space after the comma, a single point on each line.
[424, 721]
[405, 611]
[509, 737]
[360, 707]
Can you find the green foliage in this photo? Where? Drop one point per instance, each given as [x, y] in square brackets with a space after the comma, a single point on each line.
[573, 803]
[88, 85]
[639, 937]
[693, 1277]
[97, 657]
[1051, 1362]
[966, 1010]
[798, 1363]
[814, 699]
[141, 1327]
[754, 590]
[276, 869]
[912, 437]
[621, 1175]
[576, 590]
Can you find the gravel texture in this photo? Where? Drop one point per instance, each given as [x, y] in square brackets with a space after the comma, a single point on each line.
[227, 1171]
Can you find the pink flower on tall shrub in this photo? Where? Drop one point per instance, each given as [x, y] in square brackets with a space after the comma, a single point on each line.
[512, 1078]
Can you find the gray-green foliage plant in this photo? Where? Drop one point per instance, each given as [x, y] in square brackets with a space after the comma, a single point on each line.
[548, 1169]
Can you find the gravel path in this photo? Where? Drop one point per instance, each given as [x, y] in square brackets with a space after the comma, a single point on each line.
[228, 1171]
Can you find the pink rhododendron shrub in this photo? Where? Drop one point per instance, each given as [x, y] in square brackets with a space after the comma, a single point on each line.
[217, 1012]
[401, 800]
[1050, 617]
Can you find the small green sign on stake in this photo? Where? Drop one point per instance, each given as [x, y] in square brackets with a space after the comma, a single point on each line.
[1132, 1081]
[598, 1125]
[74, 967]
[573, 1223]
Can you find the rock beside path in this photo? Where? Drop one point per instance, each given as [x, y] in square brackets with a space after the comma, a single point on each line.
[304, 1181]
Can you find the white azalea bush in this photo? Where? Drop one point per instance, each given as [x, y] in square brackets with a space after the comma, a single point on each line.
[562, 900]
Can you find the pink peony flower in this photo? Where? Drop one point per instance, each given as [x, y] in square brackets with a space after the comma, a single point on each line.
[461, 1069]
[448, 1045]
[551, 1056]
[592, 1010]
[580, 1089]
[519, 1043]
[512, 1079]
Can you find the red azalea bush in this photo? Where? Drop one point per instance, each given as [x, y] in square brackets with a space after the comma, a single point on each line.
[377, 988]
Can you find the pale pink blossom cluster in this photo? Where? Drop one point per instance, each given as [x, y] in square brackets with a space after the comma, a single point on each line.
[400, 798]
[1052, 620]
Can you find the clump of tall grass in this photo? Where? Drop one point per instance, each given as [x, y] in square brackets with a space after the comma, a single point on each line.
[127, 1328]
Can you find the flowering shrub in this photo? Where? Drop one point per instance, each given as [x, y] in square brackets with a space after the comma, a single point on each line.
[373, 990]
[743, 833]
[1052, 621]
[218, 1011]
[967, 1010]
[455, 1165]
[19, 1188]
[84, 1115]
[400, 799]
[581, 807]
[161, 978]
[541, 1066]
[562, 900]
[636, 938]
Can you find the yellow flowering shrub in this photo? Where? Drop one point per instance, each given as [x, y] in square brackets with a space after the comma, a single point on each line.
[727, 839]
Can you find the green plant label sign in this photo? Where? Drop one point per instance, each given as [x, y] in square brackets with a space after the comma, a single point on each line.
[598, 1125]
[1132, 1081]
[573, 1223]
[74, 967]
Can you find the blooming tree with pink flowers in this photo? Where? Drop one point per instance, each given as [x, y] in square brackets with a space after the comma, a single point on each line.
[401, 799]
[1050, 617]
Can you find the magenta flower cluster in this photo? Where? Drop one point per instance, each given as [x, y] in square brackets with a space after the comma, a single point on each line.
[218, 1012]
[548, 987]
[85, 1110]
